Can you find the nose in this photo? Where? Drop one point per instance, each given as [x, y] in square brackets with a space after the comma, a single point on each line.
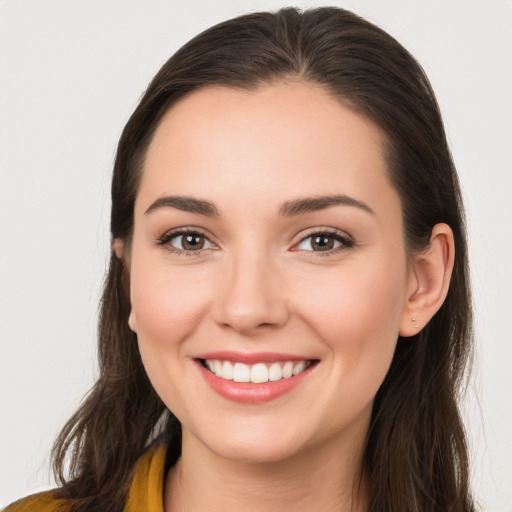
[251, 295]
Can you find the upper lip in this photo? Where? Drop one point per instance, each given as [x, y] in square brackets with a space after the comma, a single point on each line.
[252, 358]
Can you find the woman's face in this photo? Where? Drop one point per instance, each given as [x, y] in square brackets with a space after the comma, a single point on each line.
[268, 241]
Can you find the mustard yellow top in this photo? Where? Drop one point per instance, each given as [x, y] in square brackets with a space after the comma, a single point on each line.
[145, 495]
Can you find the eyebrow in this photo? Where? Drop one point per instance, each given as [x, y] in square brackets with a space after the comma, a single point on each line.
[187, 204]
[317, 203]
[287, 209]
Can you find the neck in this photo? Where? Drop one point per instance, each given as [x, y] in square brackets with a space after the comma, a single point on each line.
[325, 478]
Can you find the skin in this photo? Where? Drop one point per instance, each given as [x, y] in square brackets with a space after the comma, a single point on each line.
[258, 285]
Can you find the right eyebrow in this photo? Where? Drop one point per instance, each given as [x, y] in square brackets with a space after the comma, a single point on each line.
[314, 204]
[187, 204]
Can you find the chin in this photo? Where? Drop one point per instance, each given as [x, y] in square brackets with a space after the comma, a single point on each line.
[263, 453]
[255, 445]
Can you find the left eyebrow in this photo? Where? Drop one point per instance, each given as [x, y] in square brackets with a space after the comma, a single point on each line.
[187, 204]
[317, 203]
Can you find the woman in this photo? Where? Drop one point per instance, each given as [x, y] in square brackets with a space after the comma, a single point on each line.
[286, 318]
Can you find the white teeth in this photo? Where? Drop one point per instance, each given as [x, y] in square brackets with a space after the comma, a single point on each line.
[217, 366]
[287, 370]
[226, 371]
[299, 368]
[258, 373]
[241, 372]
[275, 372]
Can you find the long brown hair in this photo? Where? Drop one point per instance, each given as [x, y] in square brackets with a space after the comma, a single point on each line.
[415, 456]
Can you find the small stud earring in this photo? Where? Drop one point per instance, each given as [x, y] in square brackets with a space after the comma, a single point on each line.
[415, 324]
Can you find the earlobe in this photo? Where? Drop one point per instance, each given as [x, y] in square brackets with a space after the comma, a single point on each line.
[132, 321]
[430, 281]
[123, 254]
[118, 248]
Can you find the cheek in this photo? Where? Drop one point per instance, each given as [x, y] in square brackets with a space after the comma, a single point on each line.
[168, 307]
[167, 303]
[356, 313]
[352, 302]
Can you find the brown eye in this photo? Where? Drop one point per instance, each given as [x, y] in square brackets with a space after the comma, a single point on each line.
[190, 242]
[325, 242]
[322, 243]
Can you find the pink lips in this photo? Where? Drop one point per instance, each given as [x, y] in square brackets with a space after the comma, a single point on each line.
[257, 357]
[248, 392]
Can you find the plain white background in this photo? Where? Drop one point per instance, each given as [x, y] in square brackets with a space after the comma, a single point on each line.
[71, 73]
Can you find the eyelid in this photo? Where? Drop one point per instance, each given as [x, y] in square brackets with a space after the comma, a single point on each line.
[165, 239]
[346, 240]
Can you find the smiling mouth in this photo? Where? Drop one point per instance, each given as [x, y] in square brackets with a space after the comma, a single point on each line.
[258, 373]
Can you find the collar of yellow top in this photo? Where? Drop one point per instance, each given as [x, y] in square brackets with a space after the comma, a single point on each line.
[147, 488]
[146, 492]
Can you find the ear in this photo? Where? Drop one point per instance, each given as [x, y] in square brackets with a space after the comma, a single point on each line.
[132, 321]
[119, 249]
[429, 281]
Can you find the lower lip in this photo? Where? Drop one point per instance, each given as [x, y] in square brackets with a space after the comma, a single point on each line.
[250, 393]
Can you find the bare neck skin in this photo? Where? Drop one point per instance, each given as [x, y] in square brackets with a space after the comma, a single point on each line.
[323, 478]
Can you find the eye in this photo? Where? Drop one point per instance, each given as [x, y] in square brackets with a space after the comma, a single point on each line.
[186, 241]
[324, 242]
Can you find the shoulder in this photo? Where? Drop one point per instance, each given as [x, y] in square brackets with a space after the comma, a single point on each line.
[145, 492]
[41, 502]
[146, 489]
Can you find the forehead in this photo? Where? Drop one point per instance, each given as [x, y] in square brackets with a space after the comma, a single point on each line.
[288, 138]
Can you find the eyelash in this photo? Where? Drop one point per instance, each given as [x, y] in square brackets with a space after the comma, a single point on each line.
[345, 240]
[166, 239]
